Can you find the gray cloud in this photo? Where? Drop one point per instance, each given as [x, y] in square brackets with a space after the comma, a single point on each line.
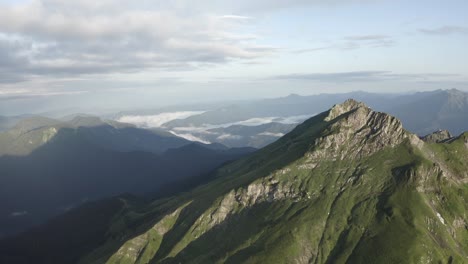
[445, 30]
[359, 76]
[371, 40]
[300, 51]
[67, 38]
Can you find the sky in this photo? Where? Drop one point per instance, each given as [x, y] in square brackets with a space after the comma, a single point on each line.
[121, 54]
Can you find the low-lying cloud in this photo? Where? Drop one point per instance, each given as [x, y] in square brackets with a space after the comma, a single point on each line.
[154, 121]
[226, 136]
[207, 133]
[190, 137]
[271, 134]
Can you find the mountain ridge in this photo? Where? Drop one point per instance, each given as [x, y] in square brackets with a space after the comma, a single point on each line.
[348, 123]
[49, 167]
[349, 185]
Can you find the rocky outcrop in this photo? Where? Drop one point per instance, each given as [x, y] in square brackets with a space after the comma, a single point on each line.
[267, 189]
[143, 247]
[339, 109]
[357, 131]
[438, 137]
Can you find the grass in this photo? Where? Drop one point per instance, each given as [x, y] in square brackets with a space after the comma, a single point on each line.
[355, 210]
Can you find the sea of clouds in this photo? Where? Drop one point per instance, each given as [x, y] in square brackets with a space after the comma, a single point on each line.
[199, 133]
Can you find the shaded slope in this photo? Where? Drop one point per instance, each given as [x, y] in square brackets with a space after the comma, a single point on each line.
[46, 244]
[70, 169]
[31, 133]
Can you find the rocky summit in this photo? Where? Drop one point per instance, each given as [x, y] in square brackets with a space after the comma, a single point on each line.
[349, 185]
[438, 136]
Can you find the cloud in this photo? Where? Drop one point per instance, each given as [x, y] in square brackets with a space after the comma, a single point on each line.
[156, 120]
[255, 121]
[69, 38]
[359, 76]
[295, 119]
[373, 41]
[354, 42]
[235, 17]
[197, 133]
[249, 6]
[190, 137]
[13, 94]
[229, 137]
[271, 134]
[300, 51]
[445, 30]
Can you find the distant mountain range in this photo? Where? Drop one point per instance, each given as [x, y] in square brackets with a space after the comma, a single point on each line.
[38, 151]
[349, 185]
[48, 166]
[232, 125]
[32, 132]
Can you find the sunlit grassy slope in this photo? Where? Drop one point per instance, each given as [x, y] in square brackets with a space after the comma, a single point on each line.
[347, 186]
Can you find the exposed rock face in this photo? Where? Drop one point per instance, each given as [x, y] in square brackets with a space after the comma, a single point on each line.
[48, 134]
[268, 189]
[345, 107]
[357, 131]
[137, 247]
[463, 137]
[438, 136]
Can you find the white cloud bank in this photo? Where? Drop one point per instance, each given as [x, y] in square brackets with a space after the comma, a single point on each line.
[229, 137]
[155, 121]
[271, 134]
[190, 137]
[197, 133]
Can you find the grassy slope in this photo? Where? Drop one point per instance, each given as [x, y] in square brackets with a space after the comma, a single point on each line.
[380, 209]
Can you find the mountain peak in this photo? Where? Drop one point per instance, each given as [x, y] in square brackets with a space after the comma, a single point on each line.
[357, 131]
[87, 121]
[438, 136]
[293, 95]
[455, 91]
[345, 107]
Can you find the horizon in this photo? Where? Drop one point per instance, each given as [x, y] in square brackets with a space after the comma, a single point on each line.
[100, 112]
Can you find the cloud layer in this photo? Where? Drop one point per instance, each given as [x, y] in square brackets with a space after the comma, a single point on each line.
[156, 120]
[70, 38]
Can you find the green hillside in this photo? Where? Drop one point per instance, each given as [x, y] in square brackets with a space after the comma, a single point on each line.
[347, 186]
